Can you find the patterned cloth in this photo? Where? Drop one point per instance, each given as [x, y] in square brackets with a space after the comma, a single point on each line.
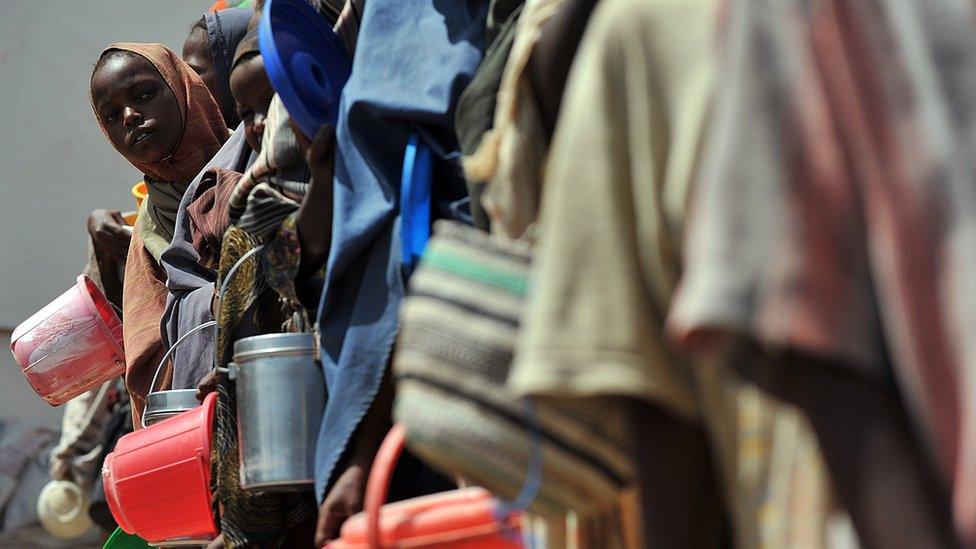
[248, 518]
[257, 203]
[261, 298]
[841, 171]
[459, 325]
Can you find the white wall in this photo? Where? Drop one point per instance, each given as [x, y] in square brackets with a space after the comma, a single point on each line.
[55, 164]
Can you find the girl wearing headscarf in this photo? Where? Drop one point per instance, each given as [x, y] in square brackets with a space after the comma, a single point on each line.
[209, 50]
[158, 113]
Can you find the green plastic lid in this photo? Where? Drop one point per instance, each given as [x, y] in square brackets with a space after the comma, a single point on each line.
[120, 540]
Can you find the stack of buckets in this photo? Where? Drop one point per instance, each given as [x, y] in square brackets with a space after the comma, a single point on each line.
[157, 480]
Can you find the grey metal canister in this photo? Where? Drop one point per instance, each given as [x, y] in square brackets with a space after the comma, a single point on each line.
[280, 400]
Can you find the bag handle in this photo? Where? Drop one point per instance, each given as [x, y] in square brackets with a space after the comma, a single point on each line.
[378, 482]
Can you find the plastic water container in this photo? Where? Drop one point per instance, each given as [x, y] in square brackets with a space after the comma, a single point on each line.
[157, 480]
[71, 345]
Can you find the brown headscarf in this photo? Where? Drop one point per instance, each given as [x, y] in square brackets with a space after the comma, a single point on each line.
[144, 287]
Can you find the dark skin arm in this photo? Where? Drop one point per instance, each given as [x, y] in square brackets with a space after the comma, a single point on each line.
[315, 215]
[881, 475]
[346, 496]
[110, 240]
[680, 491]
[553, 55]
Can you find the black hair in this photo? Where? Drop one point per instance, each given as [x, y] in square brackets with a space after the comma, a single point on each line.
[199, 25]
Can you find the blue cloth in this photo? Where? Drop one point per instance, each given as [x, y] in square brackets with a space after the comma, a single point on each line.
[413, 59]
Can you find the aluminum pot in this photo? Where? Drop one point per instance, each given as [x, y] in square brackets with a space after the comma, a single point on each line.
[166, 404]
[280, 401]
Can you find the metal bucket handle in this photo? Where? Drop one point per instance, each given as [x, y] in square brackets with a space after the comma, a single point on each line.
[209, 324]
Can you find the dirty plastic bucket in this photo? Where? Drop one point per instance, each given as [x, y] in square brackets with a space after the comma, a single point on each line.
[280, 401]
[71, 345]
[157, 480]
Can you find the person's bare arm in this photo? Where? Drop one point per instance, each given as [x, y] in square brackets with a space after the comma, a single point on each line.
[315, 215]
[346, 496]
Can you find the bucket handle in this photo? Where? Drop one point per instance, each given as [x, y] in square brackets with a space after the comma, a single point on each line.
[209, 324]
[378, 481]
[381, 473]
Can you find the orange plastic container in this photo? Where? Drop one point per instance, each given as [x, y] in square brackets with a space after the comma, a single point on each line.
[140, 191]
[157, 480]
[71, 345]
[459, 519]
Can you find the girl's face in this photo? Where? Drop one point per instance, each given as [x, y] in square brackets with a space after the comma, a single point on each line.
[196, 53]
[252, 93]
[137, 107]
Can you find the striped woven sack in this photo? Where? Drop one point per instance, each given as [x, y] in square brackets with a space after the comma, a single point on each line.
[458, 328]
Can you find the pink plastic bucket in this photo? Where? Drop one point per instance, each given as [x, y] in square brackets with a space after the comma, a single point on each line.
[157, 480]
[71, 345]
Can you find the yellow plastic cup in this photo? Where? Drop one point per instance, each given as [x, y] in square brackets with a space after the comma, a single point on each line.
[140, 191]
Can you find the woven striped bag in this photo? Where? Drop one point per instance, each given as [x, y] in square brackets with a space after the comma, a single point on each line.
[458, 328]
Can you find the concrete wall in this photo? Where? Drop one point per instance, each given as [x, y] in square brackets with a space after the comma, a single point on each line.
[55, 164]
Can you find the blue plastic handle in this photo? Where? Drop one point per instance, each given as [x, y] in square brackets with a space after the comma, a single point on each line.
[415, 202]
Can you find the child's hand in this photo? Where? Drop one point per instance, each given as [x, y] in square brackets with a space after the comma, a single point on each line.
[207, 385]
[344, 500]
[109, 235]
[320, 155]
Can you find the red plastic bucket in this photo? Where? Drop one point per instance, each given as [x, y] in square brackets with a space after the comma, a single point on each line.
[157, 481]
[71, 345]
[468, 518]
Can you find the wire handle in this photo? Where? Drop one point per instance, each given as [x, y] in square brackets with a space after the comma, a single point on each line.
[173, 347]
[209, 324]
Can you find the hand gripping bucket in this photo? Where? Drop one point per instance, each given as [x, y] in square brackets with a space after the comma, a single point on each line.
[470, 518]
[71, 345]
[162, 405]
[157, 480]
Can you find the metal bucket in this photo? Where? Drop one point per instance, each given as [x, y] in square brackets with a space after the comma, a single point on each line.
[166, 404]
[280, 401]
